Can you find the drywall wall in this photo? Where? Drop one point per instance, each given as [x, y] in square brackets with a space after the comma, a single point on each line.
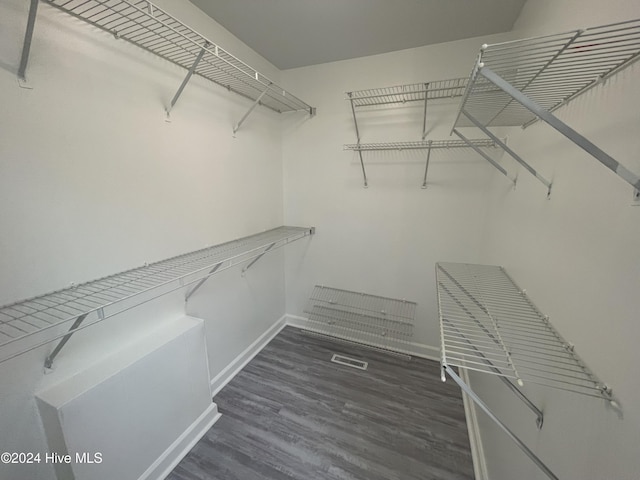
[384, 239]
[577, 255]
[93, 181]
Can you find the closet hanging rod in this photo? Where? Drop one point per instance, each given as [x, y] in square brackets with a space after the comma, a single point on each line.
[34, 322]
[147, 26]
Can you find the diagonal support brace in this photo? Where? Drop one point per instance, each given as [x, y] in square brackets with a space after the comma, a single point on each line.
[355, 121]
[193, 289]
[48, 363]
[507, 149]
[258, 257]
[493, 417]
[484, 155]
[187, 77]
[255, 104]
[604, 158]
[424, 118]
[28, 36]
[426, 167]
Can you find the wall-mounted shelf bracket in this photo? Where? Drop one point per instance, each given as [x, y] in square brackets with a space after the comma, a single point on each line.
[426, 166]
[561, 127]
[510, 151]
[201, 282]
[498, 422]
[424, 116]
[355, 122]
[250, 264]
[48, 363]
[256, 102]
[484, 155]
[190, 72]
[26, 47]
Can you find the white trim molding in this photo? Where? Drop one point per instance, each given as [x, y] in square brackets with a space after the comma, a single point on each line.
[226, 375]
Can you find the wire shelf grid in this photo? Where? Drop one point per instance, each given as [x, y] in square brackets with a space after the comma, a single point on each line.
[151, 28]
[551, 70]
[450, 88]
[488, 324]
[420, 145]
[371, 320]
[110, 295]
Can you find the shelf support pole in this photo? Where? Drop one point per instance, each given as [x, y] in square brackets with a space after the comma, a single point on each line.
[26, 47]
[193, 289]
[424, 119]
[493, 417]
[483, 155]
[355, 121]
[563, 128]
[506, 148]
[48, 363]
[426, 167]
[258, 257]
[187, 77]
[255, 104]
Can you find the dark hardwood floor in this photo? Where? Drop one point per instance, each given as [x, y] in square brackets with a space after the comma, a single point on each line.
[292, 414]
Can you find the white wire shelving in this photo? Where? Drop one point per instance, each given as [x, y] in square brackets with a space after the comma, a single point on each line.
[34, 322]
[416, 92]
[489, 325]
[412, 93]
[475, 144]
[519, 82]
[368, 320]
[149, 27]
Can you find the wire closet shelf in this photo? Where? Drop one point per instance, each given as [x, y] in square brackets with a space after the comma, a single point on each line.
[43, 318]
[489, 325]
[450, 88]
[369, 320]
[551, 70]
[151, 28]
[421, 145]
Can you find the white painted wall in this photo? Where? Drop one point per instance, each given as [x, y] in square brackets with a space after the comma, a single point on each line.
[577, 255]
[93, 181]
[385, 239]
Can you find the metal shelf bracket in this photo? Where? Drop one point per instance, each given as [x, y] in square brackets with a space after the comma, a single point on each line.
[355, 122]
[510, 151]
[257, 258]
[467, 389]
[483, 155]
[256, 102]
[190, 72]
[426, 167]
[26, 47]
[563, 128]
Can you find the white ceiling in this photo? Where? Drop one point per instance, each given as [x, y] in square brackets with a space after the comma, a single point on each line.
[295, 33]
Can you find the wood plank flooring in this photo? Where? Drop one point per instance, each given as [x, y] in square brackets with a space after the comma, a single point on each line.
[292, 414]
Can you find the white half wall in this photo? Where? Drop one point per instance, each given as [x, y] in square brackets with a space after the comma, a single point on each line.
[121, 416]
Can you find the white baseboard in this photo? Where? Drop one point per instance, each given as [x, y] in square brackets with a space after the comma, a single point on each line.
[238, 363]
[409, 348]
[163, 466]
[471, 414]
